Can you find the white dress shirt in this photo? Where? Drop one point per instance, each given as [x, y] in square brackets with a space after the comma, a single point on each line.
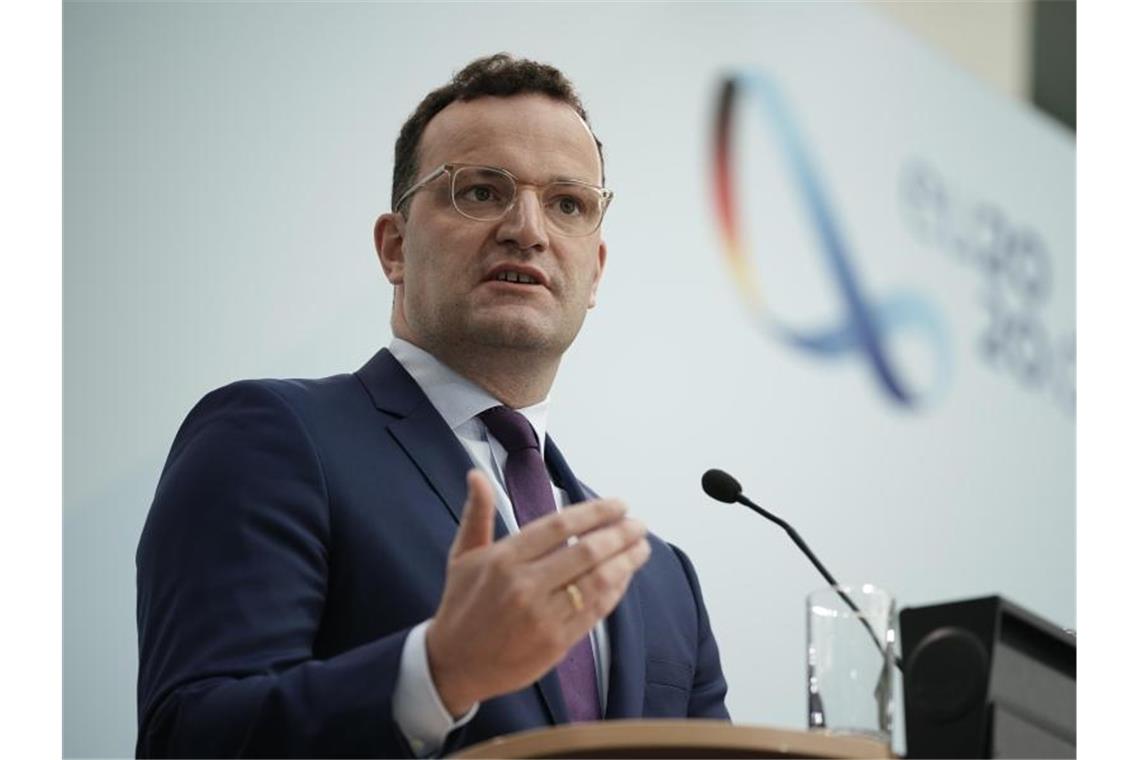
[416, 706]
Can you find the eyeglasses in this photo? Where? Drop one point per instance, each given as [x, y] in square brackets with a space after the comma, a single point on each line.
[486, 194]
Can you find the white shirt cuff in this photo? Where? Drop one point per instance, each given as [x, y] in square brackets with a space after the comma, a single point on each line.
[416, 706]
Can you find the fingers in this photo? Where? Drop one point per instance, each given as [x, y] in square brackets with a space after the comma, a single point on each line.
[477, 525]
[591, 550]
[505, 616]
[602, 587]
[549, 533]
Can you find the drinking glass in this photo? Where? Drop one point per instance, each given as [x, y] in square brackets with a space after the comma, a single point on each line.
[851, 637]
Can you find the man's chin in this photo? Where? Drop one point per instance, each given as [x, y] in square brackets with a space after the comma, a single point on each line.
[515, 335]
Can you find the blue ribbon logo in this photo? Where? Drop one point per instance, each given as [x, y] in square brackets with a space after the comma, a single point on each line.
[866, 321]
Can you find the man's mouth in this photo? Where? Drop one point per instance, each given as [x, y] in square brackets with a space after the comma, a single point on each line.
[511, 276]
[517, 274]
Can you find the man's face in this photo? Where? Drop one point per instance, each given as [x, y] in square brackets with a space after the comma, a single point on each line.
[444, 265]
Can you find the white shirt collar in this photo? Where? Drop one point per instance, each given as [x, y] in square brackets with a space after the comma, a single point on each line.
[457, 399]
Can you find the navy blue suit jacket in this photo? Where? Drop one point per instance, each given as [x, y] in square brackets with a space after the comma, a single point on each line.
[299, 530]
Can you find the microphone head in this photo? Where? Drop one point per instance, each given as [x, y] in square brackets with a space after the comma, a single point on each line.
[721, 486]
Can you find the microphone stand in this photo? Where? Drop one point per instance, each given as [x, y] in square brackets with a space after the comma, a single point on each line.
[741, 498]
[723, 487]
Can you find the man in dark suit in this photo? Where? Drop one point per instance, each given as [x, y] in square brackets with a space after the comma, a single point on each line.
[400, 562]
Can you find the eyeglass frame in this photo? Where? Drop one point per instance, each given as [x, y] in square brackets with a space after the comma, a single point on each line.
[449, 168]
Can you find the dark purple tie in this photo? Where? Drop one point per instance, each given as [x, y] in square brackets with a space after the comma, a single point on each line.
[528, 485]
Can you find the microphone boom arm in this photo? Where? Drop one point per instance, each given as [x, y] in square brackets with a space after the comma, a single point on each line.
[741, 498]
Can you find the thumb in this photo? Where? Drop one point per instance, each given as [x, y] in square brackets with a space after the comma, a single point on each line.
[477, 524]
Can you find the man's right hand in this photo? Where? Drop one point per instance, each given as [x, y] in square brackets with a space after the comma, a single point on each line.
[506, 617]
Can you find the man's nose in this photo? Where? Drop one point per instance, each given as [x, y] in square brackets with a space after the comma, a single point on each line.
[525, 223]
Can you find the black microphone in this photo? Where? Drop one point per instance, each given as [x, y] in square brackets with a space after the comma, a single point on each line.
[723, 487]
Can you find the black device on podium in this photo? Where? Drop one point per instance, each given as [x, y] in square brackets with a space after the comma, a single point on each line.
[985, 678]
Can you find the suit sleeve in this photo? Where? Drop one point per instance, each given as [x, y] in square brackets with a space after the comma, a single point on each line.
[233, 566]
[706, 699]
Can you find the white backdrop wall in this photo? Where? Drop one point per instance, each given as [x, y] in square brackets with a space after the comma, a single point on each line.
[223, 165]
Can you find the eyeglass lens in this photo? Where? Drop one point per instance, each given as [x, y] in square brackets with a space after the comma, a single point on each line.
[486, 194]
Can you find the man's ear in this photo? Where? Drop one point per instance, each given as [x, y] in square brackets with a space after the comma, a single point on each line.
[598, 273]
[389, 237]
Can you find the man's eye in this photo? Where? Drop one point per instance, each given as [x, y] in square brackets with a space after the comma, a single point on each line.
[569, 206]
[479, 193]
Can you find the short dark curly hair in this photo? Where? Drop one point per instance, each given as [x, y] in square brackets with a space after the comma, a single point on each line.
[495, 75]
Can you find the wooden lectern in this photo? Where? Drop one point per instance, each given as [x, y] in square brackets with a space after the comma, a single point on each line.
[673, 739]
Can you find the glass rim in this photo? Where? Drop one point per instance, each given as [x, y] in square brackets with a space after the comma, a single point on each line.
[869, 589]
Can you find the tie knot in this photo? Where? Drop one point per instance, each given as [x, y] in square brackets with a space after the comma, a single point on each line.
[510, 428]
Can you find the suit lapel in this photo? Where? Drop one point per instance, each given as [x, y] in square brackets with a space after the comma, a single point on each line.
[428, 441]
[627, 657]
[419, 429]
[421, 432]
[625, 626]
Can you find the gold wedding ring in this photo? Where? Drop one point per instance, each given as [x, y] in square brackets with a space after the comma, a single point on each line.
[575, 595]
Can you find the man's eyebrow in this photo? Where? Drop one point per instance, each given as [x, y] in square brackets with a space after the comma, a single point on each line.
[554, 178]
[568, 178]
